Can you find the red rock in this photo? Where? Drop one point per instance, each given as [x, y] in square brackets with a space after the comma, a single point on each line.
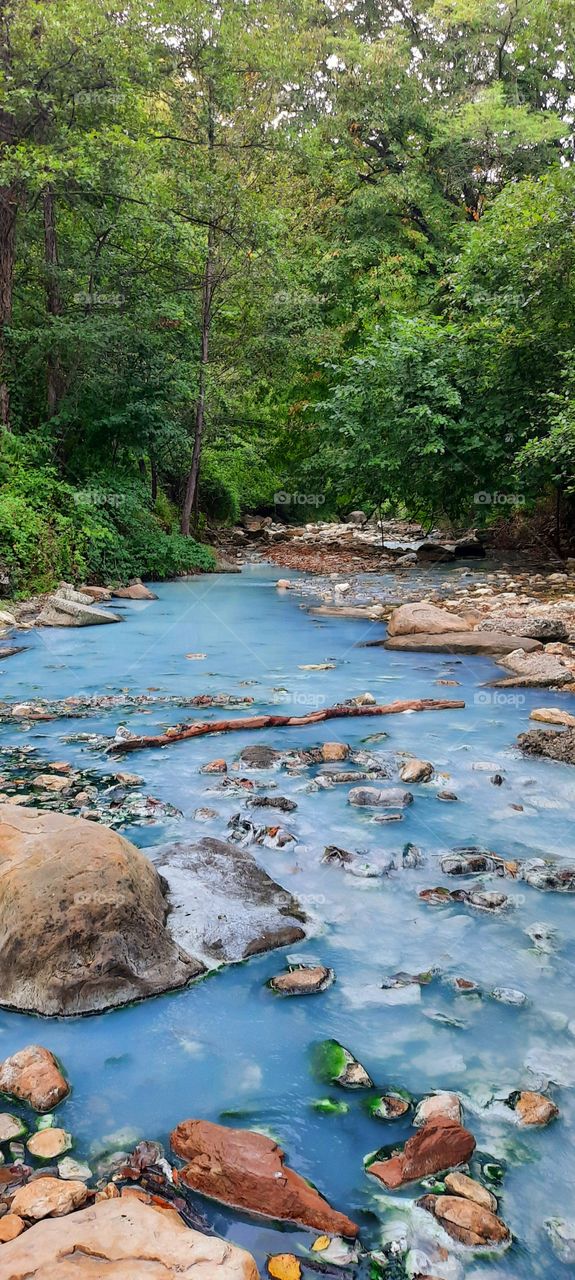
[467, 1222]
[246, 1170]
[440, 1144]
[32, 1075]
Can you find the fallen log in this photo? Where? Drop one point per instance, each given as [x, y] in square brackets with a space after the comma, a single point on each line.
[200, 727]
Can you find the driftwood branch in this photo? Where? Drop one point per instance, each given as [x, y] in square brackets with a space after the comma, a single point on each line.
[200, 728]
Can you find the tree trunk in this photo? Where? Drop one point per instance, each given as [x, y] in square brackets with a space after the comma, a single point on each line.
[53, 299]
[8, 211]
[208, 283]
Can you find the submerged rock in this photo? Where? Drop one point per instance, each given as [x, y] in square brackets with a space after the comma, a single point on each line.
[124, 1238]
[246, 1170]
[224, 907]
[373, 797]
[335, 1063]
[260, 757]
[389, 1106]
[439, 1145]
[469, 1223]
[32, 1075]
[562, 1236]
[305, 981]
[82, 918]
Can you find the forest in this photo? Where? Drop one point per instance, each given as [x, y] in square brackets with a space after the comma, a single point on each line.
[252, 249]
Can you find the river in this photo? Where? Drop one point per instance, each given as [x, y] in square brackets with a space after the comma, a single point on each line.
[228, 1046]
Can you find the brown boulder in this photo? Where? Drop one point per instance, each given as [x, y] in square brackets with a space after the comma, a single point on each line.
[11, 1226]
[332, 751]
[123, 1240]
[459, 1184]
[302, 982]
[246, 1171]
[440, 1144]
[467, 1222]
[136, 591]
[459, 642]
[535, 1108]
[82, 918]
[32, 1075]
[49, 1198]
[416, 770]
[421, 617]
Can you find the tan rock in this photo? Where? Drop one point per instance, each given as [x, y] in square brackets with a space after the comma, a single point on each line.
[535, 1108]
[49, 1198]
[458, 1184]
[412, 619]
[137, 591]
[246, 1170]
[467, 1222]
[83, 918]
[32, 1075]
[97, 593]
[47, 1144]
[302, 982]
[439, 1145]
[553, 715]
[123, 1240]
[11, 1226]
[11, 1127]
[489, 642]
[215, 766]
[416, 771]
[49, 782]
[332, 751]
[438, 1106]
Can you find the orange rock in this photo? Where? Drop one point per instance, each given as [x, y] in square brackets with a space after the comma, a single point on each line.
[11, 1226]
[215, 766]
[49, 1198]
[332, 751]
[32, 1075]
[458, 1184]
[535, 1108]
[440, 1144]
[246, 1170]
[467, 1222]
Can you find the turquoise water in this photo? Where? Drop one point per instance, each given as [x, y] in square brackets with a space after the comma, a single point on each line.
[227, 1043]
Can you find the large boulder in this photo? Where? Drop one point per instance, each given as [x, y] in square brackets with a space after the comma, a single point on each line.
[123, 1239]
[225, 907]
[135, 591]
[488, 642]
[246, 1170]
[551, 743]
[543, 628]
[536, 670]
[83, 918]
[424, 618]
[430, 552]
[60, 612]
[469, 1223]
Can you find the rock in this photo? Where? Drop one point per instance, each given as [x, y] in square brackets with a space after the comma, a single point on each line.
[459, 642]
[459, 1184]
[11, 1127]
[11, 1226]
[7, 619]
[97, 593]
[49, 782]
[302, 982]
[533, 1108]
[508, 995]
[356, 517]
[423, 618]
[438, 1106]
[332, 751]
[430, 552]
[246, 1170]
[548, 743]
[224, 907]
[82, 918]
[467, 862]
[534, 670]
[335, 1063]
[416, 771]
[58, 612]
[389, 1106]
[373, 797]
[260, 757]
[468, 1223]
[441, 1144]
[553, 715]
[69, 1168]
[214, 766]
[47, 1144]
[469, 548]
[283, 584]
[449, 797]
[271, 802]
[562, 1237]
[68, 592]
[535, 628]
[136, 591]
[125, 1240]
[545, 874]
[47, 1197]
[32, 1075]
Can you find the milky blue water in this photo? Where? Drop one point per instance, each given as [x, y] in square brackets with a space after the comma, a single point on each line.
[227, 1044]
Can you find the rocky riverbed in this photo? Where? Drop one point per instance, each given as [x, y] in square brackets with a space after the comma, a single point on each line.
[344, 926]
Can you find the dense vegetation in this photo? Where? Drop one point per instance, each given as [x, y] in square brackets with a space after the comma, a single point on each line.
[318, 247]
